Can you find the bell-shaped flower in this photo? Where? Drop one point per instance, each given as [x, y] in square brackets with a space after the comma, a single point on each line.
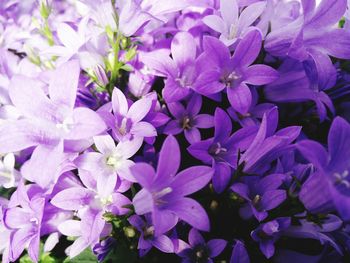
[329, 185]
[126, 122]
[188, 119]
[148, 239]
[223, 149]
[9, 176]
[198, 250]
[185, 71]
[231, 24]
[268, 233]
[237, 71]
[313, 38]
[261, 194]
[48, 122]
[164, 192]
[111, 161]
[24, 218]
[90, 204]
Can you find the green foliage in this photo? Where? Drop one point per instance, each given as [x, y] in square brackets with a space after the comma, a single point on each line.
[44, 258]
[84, 257]
[121, 254]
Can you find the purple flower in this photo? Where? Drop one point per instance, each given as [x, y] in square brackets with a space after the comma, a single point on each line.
[47, 123]
[313, 38]
[24, 218]
[231, 25]
[126, 122]
[90, 204]
[321, 231]
[71, 40]
[239, 253]
[5, 233]
[102, 249]
[300, 88]
[236, 71]
[330, 183]
[268, 144]
[188, 120]
[268, 233]
[111, 161]
[148, 238]
[9, 176]
[222, 150]
[255, 112]
[200, 251]
[164, 192]
[134, 14]
[261, 194]
[185, 71]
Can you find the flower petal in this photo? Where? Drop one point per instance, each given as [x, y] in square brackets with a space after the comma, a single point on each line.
[119, 102]
[64, 83]
[260, 75]
[191, 212]
[73, 198]
[166, 169]
[139, 109]
[240, 98]
[183, 49]
[191, 180]
[216, 246]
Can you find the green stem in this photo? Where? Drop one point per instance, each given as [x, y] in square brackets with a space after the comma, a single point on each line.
[116, 48]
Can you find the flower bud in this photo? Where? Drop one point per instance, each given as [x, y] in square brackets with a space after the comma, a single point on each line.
[101, 76]
[45, 8]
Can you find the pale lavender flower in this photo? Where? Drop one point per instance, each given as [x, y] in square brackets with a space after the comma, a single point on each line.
[24, 219]
[90, 203]
[9, 176]
[111, 161]
[126, 122]
[231, 24]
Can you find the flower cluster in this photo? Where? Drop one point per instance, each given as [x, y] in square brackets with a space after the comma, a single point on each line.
[175, 130]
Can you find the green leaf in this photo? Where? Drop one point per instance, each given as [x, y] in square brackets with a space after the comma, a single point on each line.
[25, 259]
[130, 54]
[84, 257]
[127, 67]
[121, 254]
[44, 258]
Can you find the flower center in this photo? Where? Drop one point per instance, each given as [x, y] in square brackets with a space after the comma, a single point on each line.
[341, 182]
[106, 200]
[201, 253]
[148, 232]
[256, 200]
[114, 161]
[6, 174]
[183, 82]
[186, 123]
[101, 202]
[232, 32]
[216, 149]
[34, 221]
[67, 125]
[124, 126]
[230, 79]
[157, 196]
